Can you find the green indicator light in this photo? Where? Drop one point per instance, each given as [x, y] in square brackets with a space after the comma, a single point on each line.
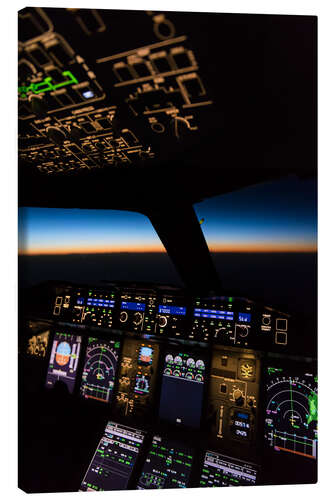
[230, 299]
[47, 86]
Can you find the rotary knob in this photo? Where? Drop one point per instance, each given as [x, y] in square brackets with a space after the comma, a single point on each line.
[242, 330]
[137, 320]
[123, 316]
[266, 320]
[56, 135]
[238, 397]
[162, 321]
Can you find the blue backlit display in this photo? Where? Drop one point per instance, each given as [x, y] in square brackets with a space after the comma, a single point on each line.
[133, 306]
[211, 313]
[100, 302]
[244, 317]
[244, 416]
[174, 310]
[80, 301]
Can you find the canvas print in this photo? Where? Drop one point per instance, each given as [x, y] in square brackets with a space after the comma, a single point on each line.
[167, 250]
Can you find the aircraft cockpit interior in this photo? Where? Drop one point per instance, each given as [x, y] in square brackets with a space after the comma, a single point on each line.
[201, 373]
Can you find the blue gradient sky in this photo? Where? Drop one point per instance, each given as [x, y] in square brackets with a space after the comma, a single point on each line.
[279, 216]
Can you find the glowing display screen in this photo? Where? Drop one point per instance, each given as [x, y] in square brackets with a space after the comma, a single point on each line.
[133, 306]
[145, 356]
[168, 465]
[212, 313]
[64, 360]
[99, 302]
[182, 388]
[99, 370]
[219, 470]
[244, 317]
[114, 459]
[292, 410]
[173, 310]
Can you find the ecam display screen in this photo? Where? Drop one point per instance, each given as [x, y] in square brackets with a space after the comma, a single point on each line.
[219, 470]
[182, 388]
[168, 465]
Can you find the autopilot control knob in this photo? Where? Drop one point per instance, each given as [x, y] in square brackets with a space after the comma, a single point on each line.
[162, 321]
[238, 397]
[37, 104]
[137, 319]
[123, 316]
[56, 135]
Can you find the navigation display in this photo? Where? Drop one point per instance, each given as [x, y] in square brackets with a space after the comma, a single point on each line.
[182, 388]
[99, 370]
[292, 410]
[168, 465]
[219, 470]
[64, 360]
[114, 459]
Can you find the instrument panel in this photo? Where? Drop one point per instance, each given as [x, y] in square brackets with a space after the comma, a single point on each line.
[85, 103]
[183, 414]
[145, 361]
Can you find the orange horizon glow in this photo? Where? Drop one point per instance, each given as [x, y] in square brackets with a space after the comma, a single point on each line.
[219, 248]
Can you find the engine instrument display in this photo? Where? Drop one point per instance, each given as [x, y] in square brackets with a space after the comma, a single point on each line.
[64, 360]
[99, 370]
[114, 459]
[219, 470]
[292, 410]
[168, 465]
[182, 388]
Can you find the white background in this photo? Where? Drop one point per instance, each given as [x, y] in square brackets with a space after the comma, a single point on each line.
[8, 217]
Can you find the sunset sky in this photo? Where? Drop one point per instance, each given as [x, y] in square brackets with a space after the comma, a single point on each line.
[279, 216]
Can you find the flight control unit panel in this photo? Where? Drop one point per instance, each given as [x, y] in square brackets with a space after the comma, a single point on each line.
[170, 313]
